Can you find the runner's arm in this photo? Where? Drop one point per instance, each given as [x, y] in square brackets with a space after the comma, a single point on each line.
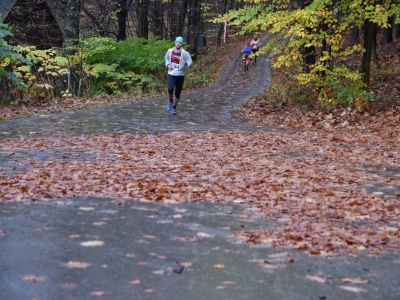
[168, 58]
[188, 60]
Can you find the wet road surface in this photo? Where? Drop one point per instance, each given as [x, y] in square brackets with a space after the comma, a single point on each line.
[88, 248]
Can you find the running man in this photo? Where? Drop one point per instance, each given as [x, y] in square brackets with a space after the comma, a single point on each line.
[255, 44]
[177, 61]
[246, 51]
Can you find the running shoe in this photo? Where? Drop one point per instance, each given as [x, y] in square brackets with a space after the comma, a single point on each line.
[169, 105]
[174, 111]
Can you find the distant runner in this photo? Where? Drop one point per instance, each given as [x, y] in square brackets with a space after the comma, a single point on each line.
[246, 51]
[255, 44]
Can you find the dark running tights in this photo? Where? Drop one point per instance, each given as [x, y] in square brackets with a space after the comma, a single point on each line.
[177, 83]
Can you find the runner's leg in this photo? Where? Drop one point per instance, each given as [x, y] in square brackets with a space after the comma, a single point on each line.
[171, 84]
[178, 89]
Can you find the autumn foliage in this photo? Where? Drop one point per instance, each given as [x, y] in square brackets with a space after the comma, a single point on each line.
[313, 184]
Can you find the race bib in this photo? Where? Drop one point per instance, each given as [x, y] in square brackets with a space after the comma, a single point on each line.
[175, 59]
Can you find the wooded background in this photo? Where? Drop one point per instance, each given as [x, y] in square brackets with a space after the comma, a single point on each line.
[316, 36]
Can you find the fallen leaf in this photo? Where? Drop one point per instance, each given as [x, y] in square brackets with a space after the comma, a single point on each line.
[219, 266]
[222, 287]
[316, 279]
[78, 265]
[355, 280]
[191, 239]
[68, 285]
[137, 281]
[98, 293]
[176, 216]
[150, 237]
[99, 223]
[239, 201]
[42, 229]
[352, 289]
[92, 243]
[204, 235]
[159, 272]
[86, 208]
[186, 264]
[171, 202]
[34, 278]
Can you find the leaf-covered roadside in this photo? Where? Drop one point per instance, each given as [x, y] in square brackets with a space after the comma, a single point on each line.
[312, 183]
[286, 104]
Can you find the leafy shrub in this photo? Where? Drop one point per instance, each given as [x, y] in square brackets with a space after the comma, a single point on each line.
[111, 67]
[44, 77]
[9, 58]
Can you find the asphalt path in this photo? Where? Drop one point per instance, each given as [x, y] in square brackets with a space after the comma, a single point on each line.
[89, 248]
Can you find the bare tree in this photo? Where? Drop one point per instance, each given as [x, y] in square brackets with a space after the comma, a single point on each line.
[100, 17]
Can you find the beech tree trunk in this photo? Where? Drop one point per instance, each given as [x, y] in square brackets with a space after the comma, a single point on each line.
[71, 38]
[71, 29]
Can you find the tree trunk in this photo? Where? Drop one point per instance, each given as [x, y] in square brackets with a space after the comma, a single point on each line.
[369, 36]
[203, 37]
[181, 18]
[158, 18]
[171, 18]
[122, 15]
[356, 32]
[221, 27]
[387, 33]
[396, 31]
[71, 29]
[308, 52]
[143, 11]
[194, 25]
[71, 38]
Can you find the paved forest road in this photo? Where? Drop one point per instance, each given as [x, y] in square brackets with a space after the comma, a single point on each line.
[205, 109]
[90, 248]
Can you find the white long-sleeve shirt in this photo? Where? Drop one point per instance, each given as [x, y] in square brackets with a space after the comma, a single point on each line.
[176, 62]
